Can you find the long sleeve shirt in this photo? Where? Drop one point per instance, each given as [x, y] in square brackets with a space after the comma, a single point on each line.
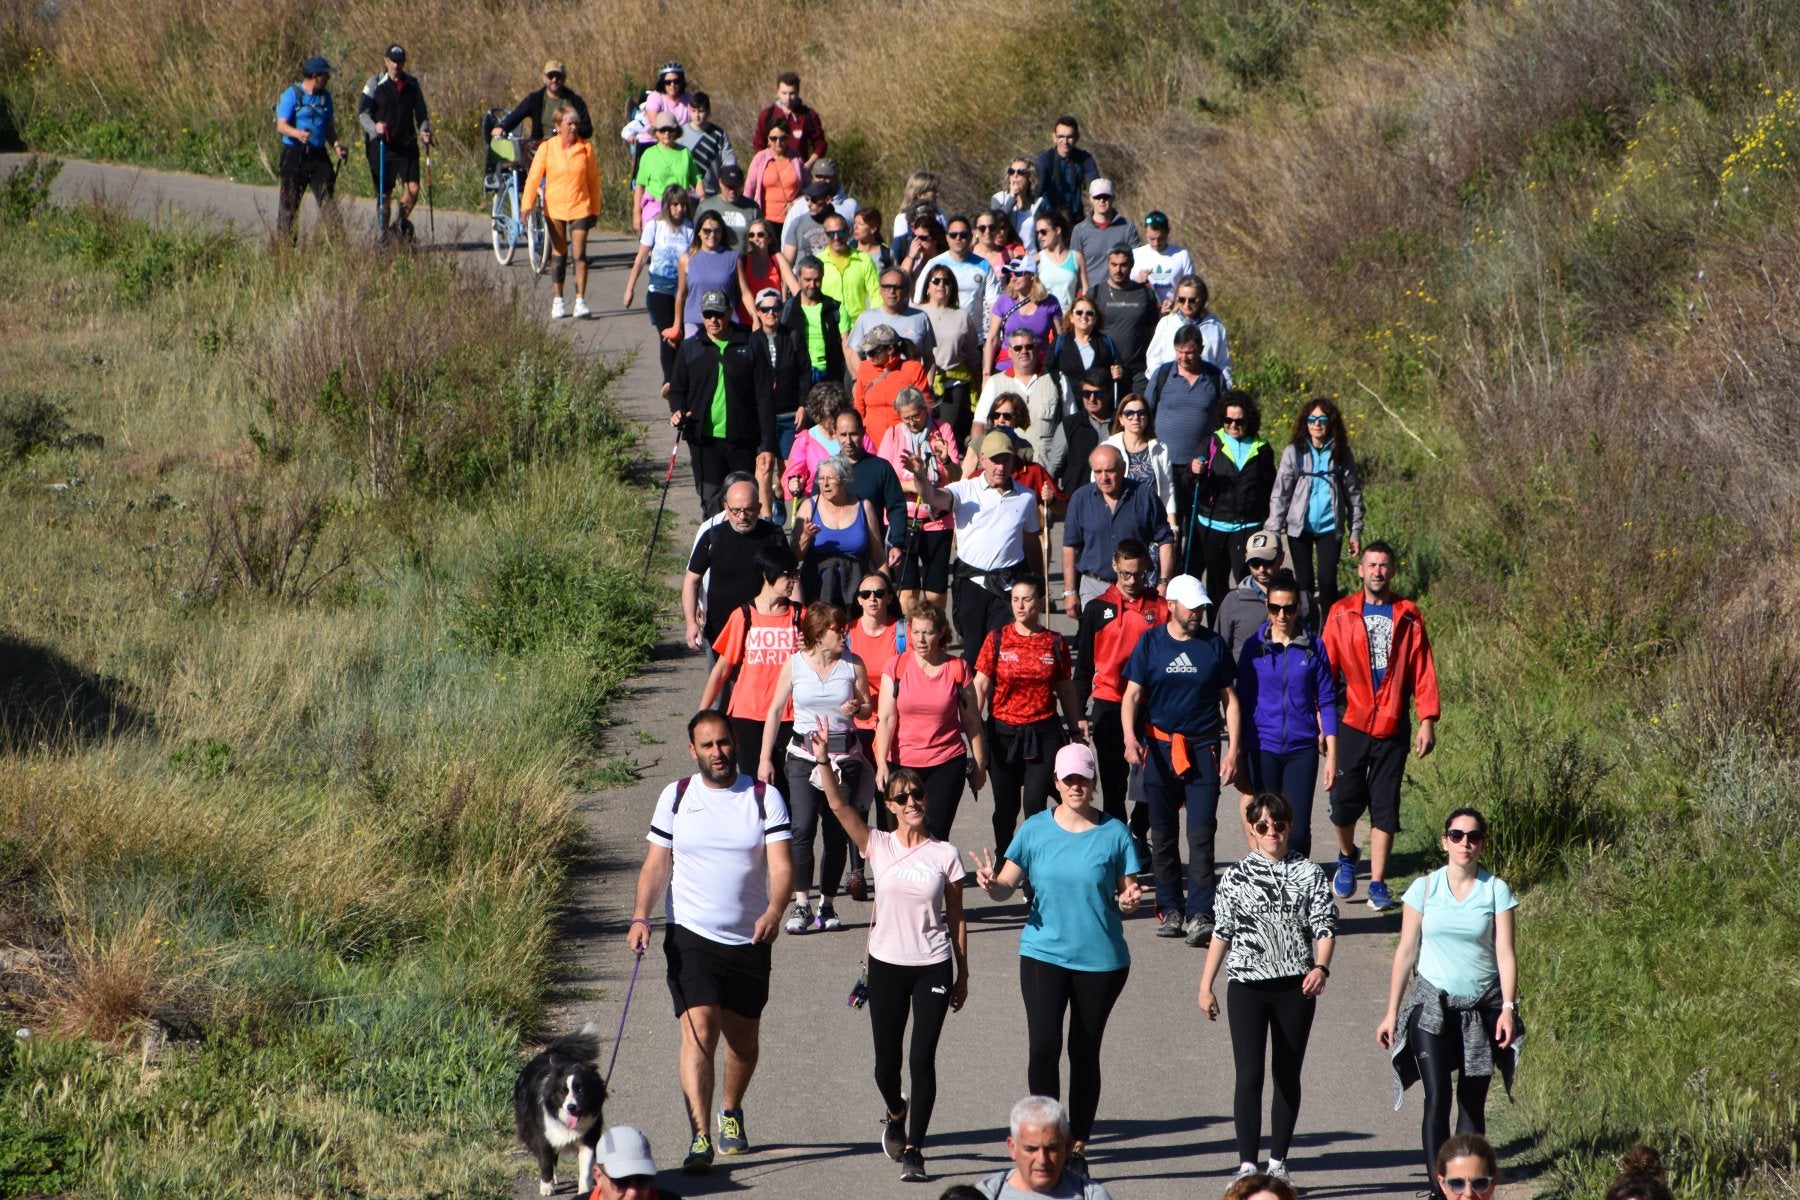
[1272, 913]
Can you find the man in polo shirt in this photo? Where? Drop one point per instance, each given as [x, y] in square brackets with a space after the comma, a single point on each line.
[996, 537]
[1103, 230]
[1111, 625]
[1108, 509]
[1184, 396]
[719, 859]
[1131, 311]
[1177, 681]
[723, 563]
[734, 208]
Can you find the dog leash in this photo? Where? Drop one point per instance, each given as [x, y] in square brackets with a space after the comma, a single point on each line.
[623, 1013]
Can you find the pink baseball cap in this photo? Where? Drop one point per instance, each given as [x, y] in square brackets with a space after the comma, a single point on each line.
[1075, 759]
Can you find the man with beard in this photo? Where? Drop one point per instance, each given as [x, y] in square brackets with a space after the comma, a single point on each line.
[719, 857]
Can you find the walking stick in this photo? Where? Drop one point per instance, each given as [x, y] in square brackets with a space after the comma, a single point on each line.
[430, 201]
[381, 182]
[668, 478]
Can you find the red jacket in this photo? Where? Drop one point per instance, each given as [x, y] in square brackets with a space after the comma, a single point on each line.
[1110, 628]
[1410, 670]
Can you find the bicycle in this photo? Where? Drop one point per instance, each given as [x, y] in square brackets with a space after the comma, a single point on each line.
[507, 164]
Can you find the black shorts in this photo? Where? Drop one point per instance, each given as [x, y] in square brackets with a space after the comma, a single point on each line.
[705, 973]
[577, 223]
[1369, 771]
[930, 557]
[400, 166]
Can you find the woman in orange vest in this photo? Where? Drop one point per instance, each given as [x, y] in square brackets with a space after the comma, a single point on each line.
[566, 166]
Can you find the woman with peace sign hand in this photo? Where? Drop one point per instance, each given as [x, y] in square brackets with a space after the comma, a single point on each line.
[1081, 868]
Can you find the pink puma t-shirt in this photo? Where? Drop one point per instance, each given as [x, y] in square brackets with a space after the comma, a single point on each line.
[909, 928]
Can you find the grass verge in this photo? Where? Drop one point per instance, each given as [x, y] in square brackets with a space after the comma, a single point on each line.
[313, 621]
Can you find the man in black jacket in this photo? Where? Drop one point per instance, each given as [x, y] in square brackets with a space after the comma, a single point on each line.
[716, 396]
[538, 106]
[395, 121]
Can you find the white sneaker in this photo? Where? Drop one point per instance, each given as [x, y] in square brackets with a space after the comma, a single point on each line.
[1245, 1170]
[556, 309]
[581, 308]
[1278, 1168]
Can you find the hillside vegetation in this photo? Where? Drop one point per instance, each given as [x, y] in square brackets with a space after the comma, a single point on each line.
[1554, 239]
[310, 627]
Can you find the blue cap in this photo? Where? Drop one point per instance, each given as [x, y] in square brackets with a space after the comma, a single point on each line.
[316, 65]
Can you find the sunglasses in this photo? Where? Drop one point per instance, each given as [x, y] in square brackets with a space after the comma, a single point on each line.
[1233, 420]
[1045, 230]
[757, 237]
[1270, 827]
[1017, 170]
[988, 228]
[1458, 836]
[1284, 610]
[877, 593]
[998, 417]
[1479, 1183]
[835, 234]
[909, 798]
[1318, 419]
[662, 129]
[960, 235]
[1027, 348]
[1187, 299]
[1135, 414]
[768, 308]
[555, 76]
[1091, 393]
[715, 230]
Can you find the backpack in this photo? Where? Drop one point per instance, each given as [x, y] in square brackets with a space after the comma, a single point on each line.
[760, 789]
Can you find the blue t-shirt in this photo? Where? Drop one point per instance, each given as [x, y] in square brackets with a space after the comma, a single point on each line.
[1456, 938]
[1181, 681]
[1321, 513]
[312, 113]
[1074, 920]
[1378, 622]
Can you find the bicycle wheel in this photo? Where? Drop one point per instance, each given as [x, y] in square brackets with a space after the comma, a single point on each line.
[506, 234]
[537, 237]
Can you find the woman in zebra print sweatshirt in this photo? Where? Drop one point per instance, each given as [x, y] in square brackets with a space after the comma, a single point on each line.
[1276, 925]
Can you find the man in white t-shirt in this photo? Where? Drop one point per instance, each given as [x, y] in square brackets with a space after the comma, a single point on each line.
[719, 855]
[1038, 1141]
[1158, 263]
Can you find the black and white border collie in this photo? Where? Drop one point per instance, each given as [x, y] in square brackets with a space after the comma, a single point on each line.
[556, 1104]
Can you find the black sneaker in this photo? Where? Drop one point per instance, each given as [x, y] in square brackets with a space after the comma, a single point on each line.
[1199, 930]
[893, 1134]
[1171, 925]
[912, 1166]
[1077, 1162]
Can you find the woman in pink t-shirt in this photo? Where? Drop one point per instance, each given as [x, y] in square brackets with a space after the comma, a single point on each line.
[929, 719]
[918, 954]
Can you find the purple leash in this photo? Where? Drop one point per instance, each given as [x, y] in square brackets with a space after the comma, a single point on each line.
[629, 988]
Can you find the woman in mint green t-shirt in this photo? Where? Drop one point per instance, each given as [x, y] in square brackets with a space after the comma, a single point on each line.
[1073, 962]
[1460, 1013]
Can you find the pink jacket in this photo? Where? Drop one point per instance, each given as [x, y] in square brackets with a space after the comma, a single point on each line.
[753, 175]
[808, 452]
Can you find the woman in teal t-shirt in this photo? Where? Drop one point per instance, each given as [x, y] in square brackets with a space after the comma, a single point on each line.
[1073, 962]
[1457, 925]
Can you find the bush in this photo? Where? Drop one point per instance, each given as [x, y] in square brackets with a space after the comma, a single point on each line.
[26, 189]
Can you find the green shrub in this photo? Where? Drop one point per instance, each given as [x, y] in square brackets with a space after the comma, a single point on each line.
[26, 189]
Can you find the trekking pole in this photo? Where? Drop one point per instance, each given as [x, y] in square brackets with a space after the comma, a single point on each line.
[668, 478]
[381, 200]
[430, 201]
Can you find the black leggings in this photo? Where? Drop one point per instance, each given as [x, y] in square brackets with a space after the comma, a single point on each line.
[1438, 1054]
[1087, 997]
[1256, 1010]
[943, 792]
[893, 993]
[1020, 787]
[1222, 557]
[661, 306]
[1321, 550]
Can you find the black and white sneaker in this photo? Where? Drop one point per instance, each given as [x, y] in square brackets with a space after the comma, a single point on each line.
[893, 1134]
[1171, 925]
[912, 1166]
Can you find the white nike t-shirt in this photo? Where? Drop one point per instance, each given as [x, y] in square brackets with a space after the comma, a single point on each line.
[720, 884]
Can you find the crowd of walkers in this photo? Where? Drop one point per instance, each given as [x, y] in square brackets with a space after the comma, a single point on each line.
[885, 423]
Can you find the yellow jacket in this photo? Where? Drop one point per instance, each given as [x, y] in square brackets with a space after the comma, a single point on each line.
[571, 176]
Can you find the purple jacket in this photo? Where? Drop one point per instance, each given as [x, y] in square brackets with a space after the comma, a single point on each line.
[1287, 690]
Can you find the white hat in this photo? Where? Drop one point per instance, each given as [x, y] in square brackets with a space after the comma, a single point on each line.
[624, 1151]
[1186, 591]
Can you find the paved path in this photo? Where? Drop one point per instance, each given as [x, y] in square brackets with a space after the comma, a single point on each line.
[1164, 1131]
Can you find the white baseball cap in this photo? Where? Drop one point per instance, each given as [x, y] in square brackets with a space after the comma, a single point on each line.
[1187, 591]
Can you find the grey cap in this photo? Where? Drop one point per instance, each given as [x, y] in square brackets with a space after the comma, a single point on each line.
[624, 1152]
[715, 301]
[881, 335]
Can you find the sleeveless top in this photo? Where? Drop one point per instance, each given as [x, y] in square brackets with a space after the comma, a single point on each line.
[817, 701]
[709, 270]
[849, 542]
[1059, 279]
